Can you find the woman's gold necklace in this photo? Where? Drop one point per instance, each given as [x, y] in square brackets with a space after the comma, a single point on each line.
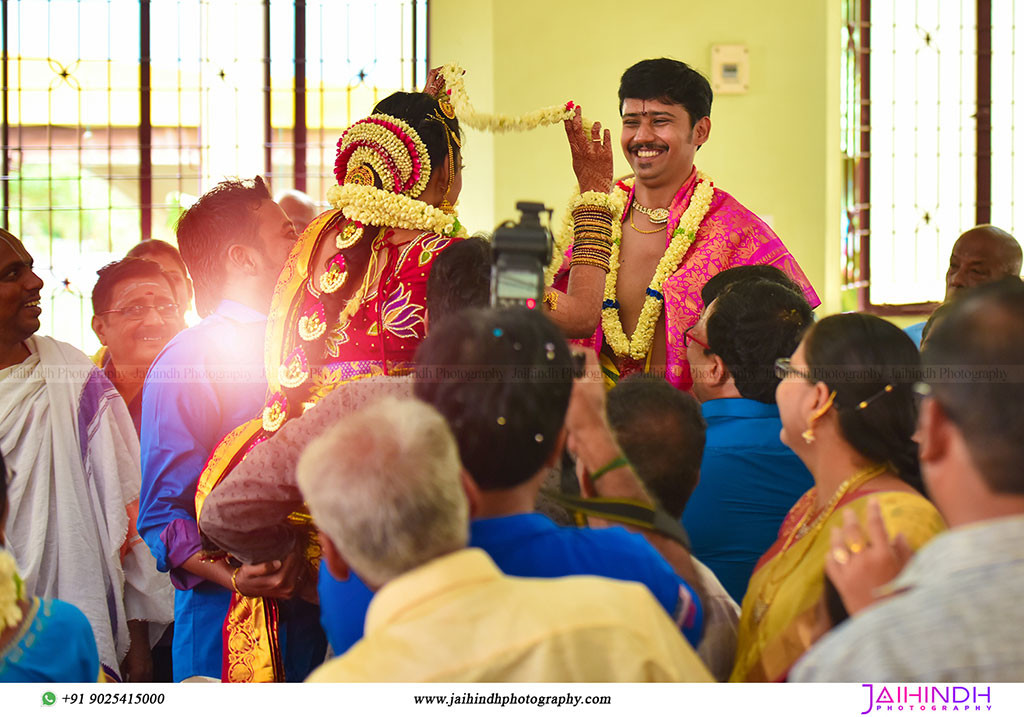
[762, 603]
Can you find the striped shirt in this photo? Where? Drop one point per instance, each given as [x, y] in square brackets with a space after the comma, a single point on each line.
[958, 616]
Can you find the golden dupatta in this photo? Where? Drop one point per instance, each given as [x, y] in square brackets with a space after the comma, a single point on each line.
[790, 584]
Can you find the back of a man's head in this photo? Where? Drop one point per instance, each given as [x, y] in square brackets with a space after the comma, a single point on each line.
[460, 278]
[148, 248]
[661, 431]
[167, 256]
[299, 206]
[753, 323]
[669, 81]
[502, 378]
[223, 216]
[974, 361]
[384, 485]
[724, 279]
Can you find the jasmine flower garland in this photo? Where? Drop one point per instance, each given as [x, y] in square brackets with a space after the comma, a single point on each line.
[497, 122]
[377, 207]
[683, 237]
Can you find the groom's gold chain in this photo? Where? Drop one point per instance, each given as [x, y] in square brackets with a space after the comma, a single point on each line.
[658, 216]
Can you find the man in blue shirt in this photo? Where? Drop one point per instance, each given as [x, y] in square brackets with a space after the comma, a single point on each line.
[748, 479]
[208, 380]
[503, 380]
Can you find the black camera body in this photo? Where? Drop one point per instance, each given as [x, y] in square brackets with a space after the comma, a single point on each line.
[521, 253]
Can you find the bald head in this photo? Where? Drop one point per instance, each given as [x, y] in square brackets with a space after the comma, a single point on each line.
[982, 254]
[299, 208]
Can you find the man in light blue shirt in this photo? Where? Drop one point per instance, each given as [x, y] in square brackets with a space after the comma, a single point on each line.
[748, 479]
[207, 381]
[953, 613]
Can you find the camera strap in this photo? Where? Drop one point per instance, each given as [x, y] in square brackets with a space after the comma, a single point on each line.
[621, 510]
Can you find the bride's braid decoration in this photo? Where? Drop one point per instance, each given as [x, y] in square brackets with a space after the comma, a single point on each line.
[382, 166]
[385, 149]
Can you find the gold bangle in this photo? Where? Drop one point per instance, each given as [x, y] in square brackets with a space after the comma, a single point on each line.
[234, 577]
[594, 244]
[579, 252]
[603, 266]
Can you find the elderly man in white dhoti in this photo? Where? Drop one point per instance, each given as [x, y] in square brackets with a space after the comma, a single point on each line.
[73, 457]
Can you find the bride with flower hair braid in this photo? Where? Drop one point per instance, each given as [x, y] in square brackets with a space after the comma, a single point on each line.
[349, 304]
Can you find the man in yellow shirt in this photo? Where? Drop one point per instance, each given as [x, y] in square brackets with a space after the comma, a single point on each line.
[385, 488]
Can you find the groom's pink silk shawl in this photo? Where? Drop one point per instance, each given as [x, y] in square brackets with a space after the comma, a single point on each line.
[730, 235]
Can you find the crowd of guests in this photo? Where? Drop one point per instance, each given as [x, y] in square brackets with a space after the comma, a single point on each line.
[353, 469]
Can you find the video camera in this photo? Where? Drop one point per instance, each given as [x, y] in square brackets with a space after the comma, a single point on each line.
[521, 253]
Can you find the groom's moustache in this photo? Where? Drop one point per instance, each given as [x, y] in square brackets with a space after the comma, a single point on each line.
[648, 145]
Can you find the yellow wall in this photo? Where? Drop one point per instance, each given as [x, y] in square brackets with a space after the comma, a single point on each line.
[775, 149]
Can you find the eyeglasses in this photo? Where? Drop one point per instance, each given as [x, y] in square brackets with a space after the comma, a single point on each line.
[784, 369]
[134, 313]
[688, 337]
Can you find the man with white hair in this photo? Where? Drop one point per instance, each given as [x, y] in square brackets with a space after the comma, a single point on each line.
[395, 513]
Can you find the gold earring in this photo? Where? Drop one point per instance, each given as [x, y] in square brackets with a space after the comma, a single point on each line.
[808, 435]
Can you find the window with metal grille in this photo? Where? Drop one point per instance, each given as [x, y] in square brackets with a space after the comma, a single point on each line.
[117, 114]
[929, 141]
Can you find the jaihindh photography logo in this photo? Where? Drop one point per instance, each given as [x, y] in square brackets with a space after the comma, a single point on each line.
[907, 698]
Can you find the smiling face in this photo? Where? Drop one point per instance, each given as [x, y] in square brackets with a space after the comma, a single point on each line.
[134, 341]
[19, 293]
[660, 140]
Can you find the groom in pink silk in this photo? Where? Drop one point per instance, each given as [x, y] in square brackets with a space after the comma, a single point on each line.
[665, 107]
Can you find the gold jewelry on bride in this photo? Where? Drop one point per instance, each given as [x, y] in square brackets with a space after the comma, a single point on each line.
[811, 530]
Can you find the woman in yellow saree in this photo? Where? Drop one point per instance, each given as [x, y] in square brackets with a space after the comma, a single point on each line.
[849, 413]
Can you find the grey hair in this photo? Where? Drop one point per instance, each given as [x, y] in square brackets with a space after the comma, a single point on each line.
[384, 485]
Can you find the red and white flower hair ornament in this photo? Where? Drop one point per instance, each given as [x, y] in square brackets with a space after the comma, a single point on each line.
[391, 147]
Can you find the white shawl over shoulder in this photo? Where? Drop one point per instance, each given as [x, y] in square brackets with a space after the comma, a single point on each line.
[73, 458]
